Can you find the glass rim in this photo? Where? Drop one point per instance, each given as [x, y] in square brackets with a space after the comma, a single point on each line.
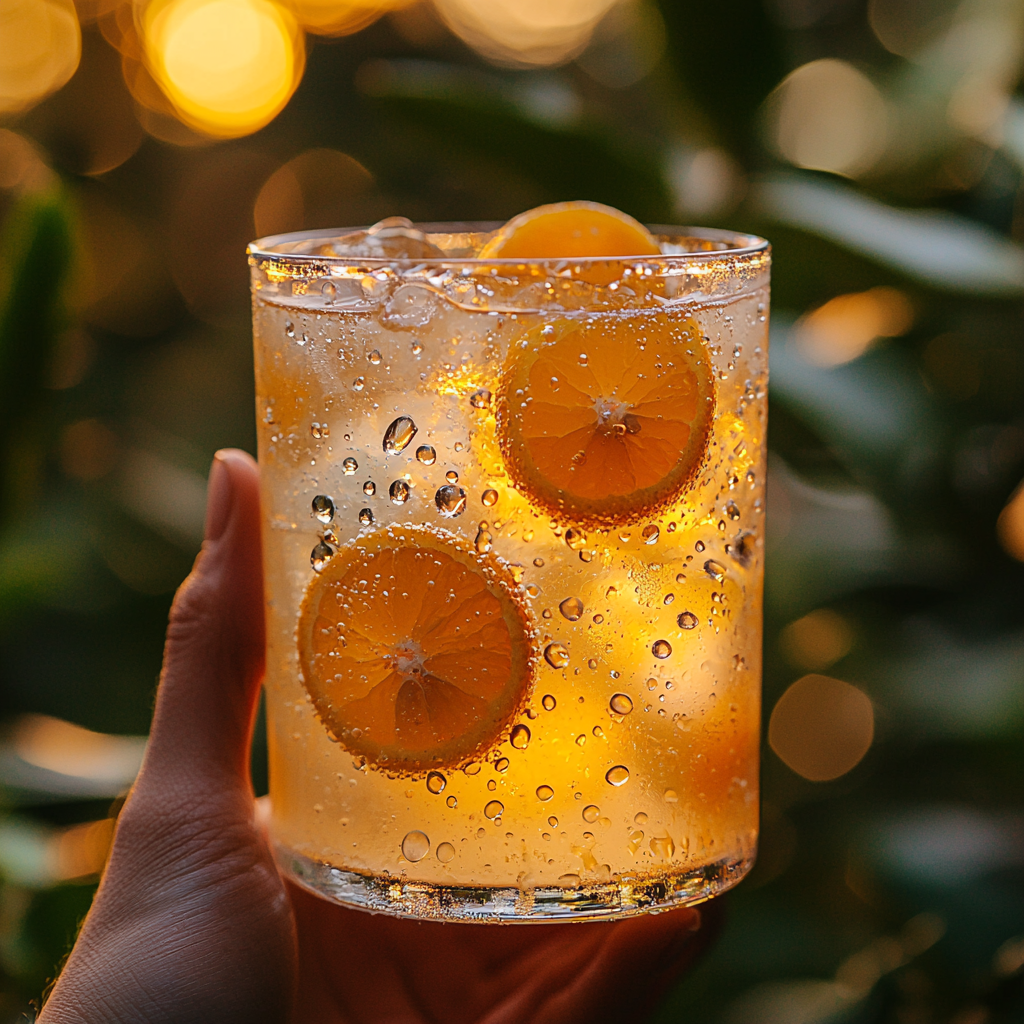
[267, 249]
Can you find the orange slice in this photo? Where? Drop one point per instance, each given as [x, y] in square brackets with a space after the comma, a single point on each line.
[414, 651]
[603, 420]
[569, 231]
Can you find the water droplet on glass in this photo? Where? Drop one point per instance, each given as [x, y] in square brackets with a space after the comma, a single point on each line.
[289, 328]
[451, 476]
[661, 649]
[714, 570]
[591, 813]
[556, 655]
[571, 608]
[359, 383]
[436, 782]
[369, 488]
[398, 435]
[520, 737]
[320, 556]
[417, 348]
[650, 534]
[569, 881]
[662, 846]
[545, 793]
[415, 846]
[320, 430]
[669, 598]
[350, 466]
[471, 769]
[640, 818]
[323, 508]
[374, 357]
[450, 501]
[501, 765]
[732, 510]
[548, 702]
[480, 399]
[366, 516]
[699, 546]
[617, 776]
[493, 809]
[452, 802]
[575, 538]
[426, 455]
[581, 740]
[399, 492]
[445, 852]
[620, 704]
[483, 541]
[671, 796]
[539, 563]
[687, 620]
[489, 497]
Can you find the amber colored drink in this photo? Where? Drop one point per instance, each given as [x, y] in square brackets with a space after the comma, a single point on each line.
[512, 534]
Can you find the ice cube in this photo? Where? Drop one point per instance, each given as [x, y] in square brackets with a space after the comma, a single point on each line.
[388, 239]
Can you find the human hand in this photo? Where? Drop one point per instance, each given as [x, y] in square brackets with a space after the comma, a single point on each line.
[192, 921]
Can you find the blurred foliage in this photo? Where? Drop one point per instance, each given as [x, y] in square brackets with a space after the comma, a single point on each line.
[891, 895]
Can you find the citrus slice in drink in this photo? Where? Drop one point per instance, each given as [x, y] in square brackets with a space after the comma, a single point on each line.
[577, 230]
[604, 420]
[415, 652]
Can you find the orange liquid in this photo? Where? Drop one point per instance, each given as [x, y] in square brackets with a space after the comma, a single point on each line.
[630, 778]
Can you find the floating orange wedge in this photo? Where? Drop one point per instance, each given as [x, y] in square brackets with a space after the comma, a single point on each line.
[414, 651]
[605, 420]
[571, 230]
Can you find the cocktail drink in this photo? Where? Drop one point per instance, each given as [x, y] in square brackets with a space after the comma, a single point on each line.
[513, 496]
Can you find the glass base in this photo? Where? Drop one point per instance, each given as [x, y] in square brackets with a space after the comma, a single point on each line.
[607, 901]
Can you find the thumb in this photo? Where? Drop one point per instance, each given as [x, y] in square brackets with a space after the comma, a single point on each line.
[213, 659]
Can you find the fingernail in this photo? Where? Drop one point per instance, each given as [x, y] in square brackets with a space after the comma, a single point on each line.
[218, 498]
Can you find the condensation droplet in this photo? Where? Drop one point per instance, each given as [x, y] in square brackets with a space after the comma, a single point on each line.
[359, 383]
[520, 737]
[699, 546]
[399, 492]
[289, 328]
[369, 488]
[501, 765]
[548, 702]
[374, 357]
[398, 435]
[591, 813]
[661, 649]
[687, 620]
[451, 476]
[320, 430]
[662, 846]
[620, 704]
[480, 399]
[493, 809]
[640, 818]
[617, 776]
[452, 802]
[349, 466]
[650, 534]
[545, 793]
[323, 508]
[489, 497]
[669, 598]
[445, 852]
[714, 570]
[450, 501]
[483, 541]
[426, 454]
[571, 608]
[575, 538]
[415, 846]
[366, 516]
[581, 740]
[671, 796]
[320, 556]
[732, 510]
[556, 655]
[436, 782]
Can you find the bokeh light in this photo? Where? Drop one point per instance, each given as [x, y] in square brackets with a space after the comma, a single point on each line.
[848, 325]
[40, 46]
[524, 32]
[828, 116]
[817, 640]
[342, 17]
[1010, 526]
[227, 66]
[822, 727]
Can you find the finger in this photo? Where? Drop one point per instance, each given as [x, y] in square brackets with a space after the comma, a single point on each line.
[213, 659]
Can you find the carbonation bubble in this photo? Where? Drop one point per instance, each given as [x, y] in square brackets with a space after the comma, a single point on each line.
[399, 492]
[480, 399]
[398, 435]
[415, 846]
[556, 655]
[489, 497]
[520, 737]
[545, 793]
[687, 620]
[359, 383]
[319, 430]
[548, 702]
[494, 809]
[374, 357]
[320, 556]
[323, 508]
[714, 570]
[445, 852]
[369, 488]
[366, 516]
[650, 534]
[350, 466]
[426, 455]
[620, 704]
[436, 782]
[483, 541]
[452, 802]
[451, 476]
[591, 813]
[661, 649]
[450, 501]
[617, 776]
